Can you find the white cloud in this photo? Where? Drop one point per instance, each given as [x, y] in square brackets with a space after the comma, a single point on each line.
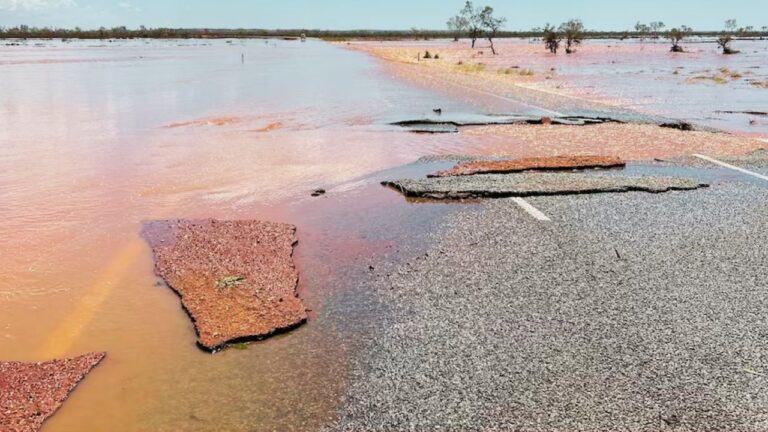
[35, 5]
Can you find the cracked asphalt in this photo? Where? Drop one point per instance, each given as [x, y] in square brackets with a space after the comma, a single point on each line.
[629, 311]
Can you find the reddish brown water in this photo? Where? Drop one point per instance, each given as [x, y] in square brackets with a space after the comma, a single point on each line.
[97, 139]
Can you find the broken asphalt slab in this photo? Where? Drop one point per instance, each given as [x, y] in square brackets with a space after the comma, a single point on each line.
[236, 279]
[452, 125]
[32, 392]
[555, 163]
[523, 185]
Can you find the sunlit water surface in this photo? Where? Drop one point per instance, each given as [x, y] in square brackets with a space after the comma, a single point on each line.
[97, 137]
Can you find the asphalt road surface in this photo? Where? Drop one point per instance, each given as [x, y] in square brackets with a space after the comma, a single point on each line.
[627, 311]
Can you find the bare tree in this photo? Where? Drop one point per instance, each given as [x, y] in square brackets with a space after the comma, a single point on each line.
[551, 38]
[676, 35]
[573, 31]
[724, 42]
[474, 25]
[491, 25]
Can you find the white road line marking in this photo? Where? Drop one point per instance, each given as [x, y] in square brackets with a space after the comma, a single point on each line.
[533, 211]
[733, 167]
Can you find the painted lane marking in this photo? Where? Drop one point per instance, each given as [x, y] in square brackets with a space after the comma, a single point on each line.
[533, 211]
[67, 333]
[733, 167]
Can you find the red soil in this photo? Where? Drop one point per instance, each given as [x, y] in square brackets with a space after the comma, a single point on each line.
[236, 279]
[32, 392]
[530, 164]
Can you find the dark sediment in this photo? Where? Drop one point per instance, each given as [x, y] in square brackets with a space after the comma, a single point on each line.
[31, 392]
[523, 185]
[531, 164]
[236, 279]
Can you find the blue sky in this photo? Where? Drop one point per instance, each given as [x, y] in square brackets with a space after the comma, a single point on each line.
[378, 14]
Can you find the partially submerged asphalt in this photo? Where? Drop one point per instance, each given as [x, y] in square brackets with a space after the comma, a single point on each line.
[628, 311]
[528, 184]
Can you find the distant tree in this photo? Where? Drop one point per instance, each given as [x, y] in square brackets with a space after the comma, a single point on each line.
[730, 25]
[656, 27]
[471, 16]
[491, 25]
[641, 28]
[457, 25]
[765, 28]
[676, 35]
[573, 32]
[724, 42]
[551, 38]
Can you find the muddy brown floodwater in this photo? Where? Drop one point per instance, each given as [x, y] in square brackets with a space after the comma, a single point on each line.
[98, 139]
[87, 156]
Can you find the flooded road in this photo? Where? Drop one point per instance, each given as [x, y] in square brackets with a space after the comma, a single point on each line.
[703, 86]
[99, 137]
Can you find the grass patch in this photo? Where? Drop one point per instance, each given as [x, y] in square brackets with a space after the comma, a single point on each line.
[730, 73]
[470, 68]
[516, 70]
[239, 346]
[230, 281]
[717, 79]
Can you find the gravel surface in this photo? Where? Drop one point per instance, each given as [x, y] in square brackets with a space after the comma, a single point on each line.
[627, 141]
[32, 392]
[755, 159]
[631, 312]
[532, 184]
[554, 163]
[236, 279]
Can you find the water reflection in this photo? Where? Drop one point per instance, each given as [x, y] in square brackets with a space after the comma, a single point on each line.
[87, 154]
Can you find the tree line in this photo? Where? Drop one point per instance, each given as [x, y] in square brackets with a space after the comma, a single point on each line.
[475, 23]
[492, 25]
